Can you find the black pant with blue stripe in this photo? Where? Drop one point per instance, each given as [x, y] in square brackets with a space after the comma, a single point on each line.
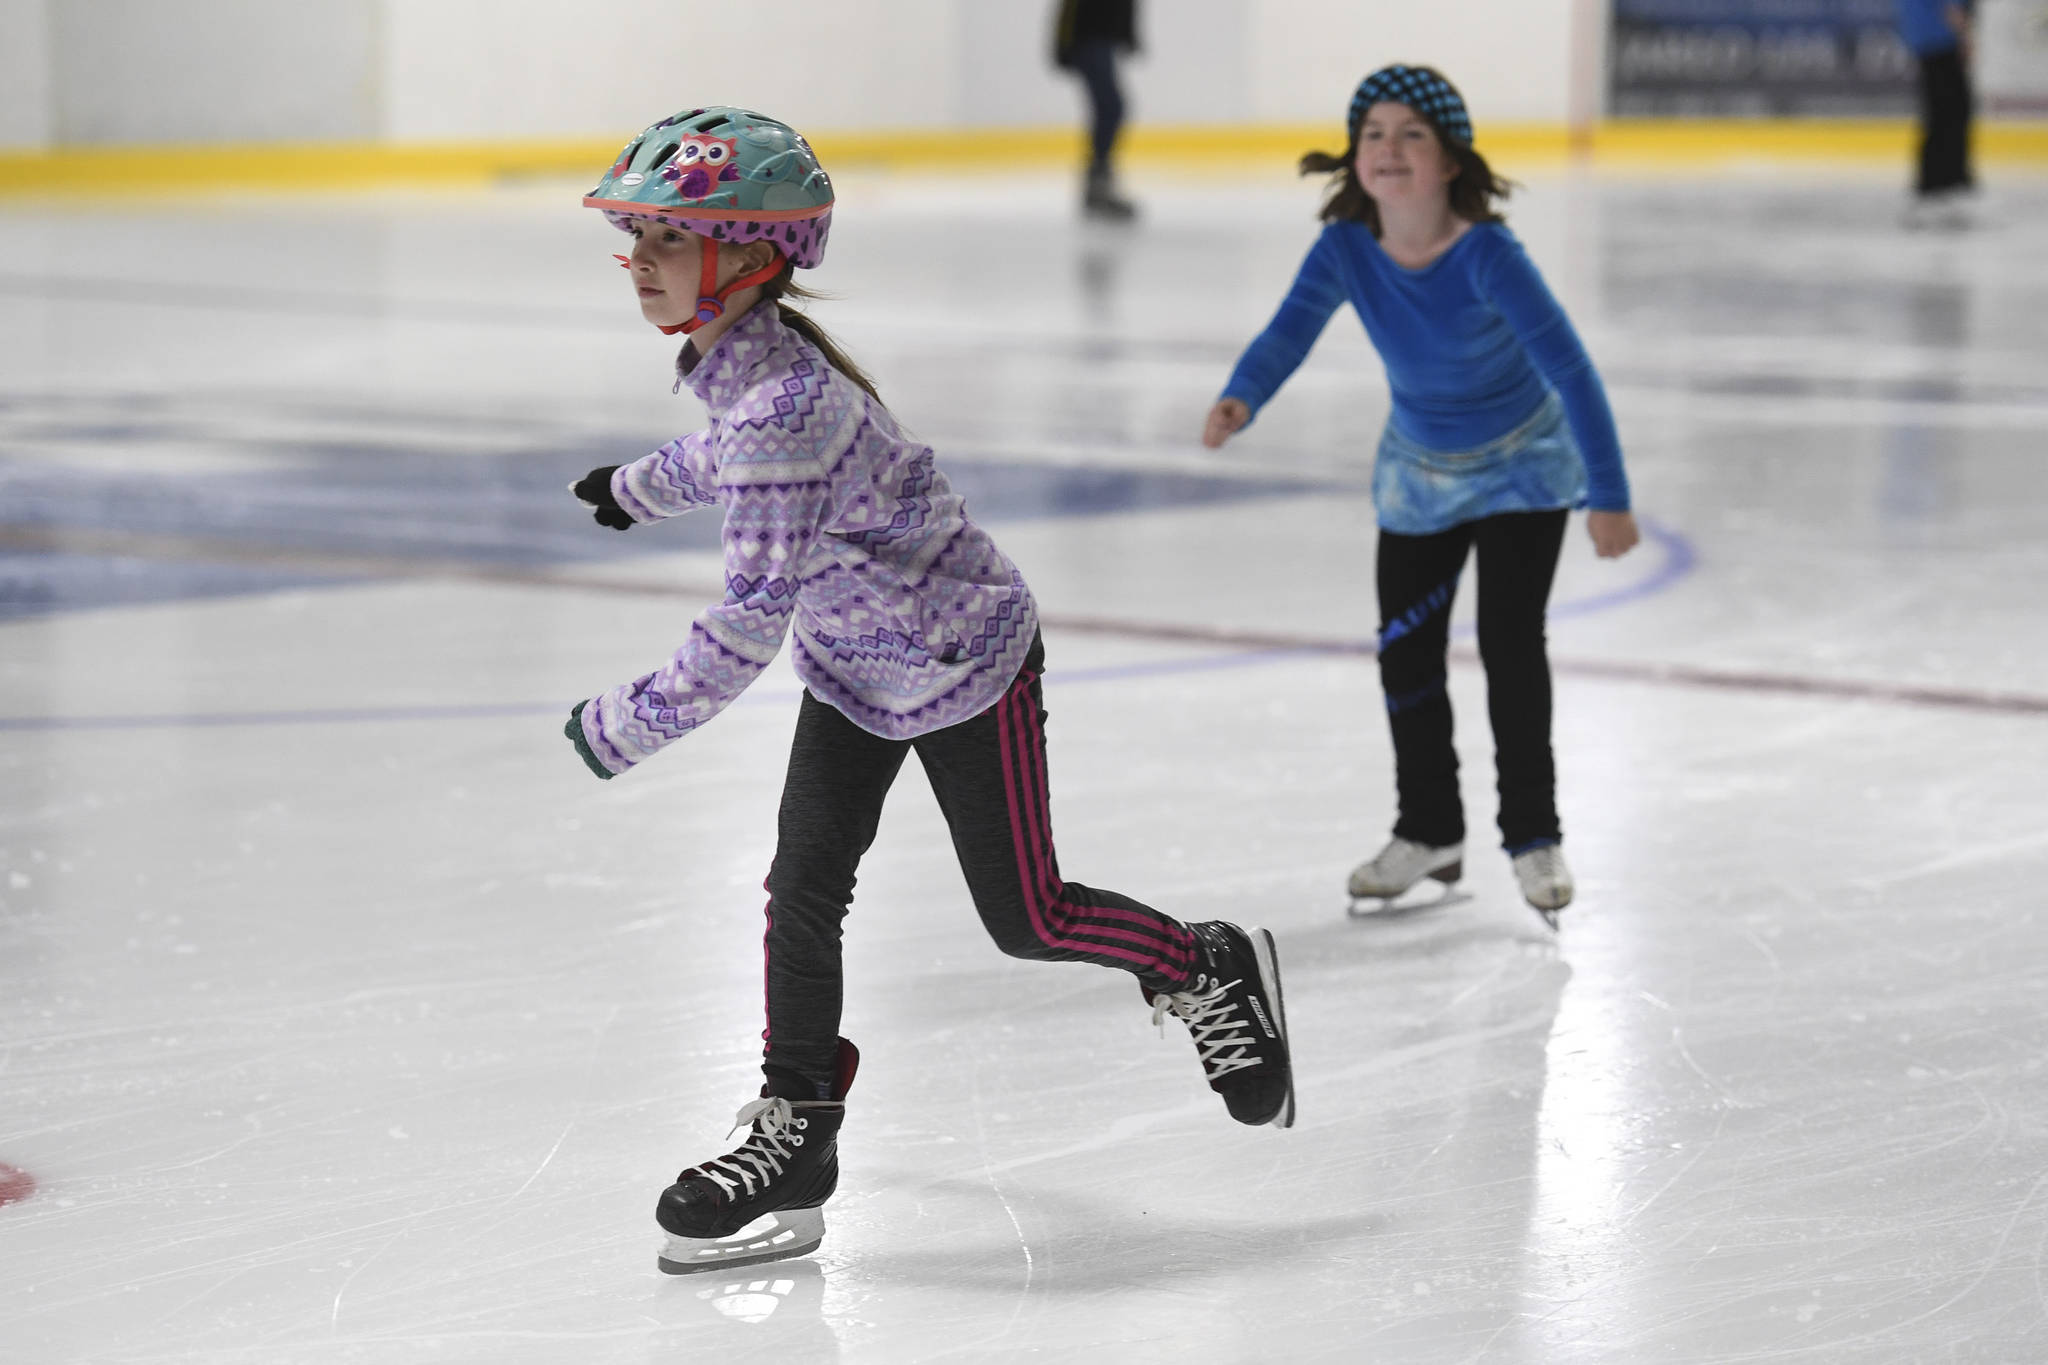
[1418, 580]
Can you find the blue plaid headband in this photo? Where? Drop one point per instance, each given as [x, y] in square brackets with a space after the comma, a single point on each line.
[1422, 90]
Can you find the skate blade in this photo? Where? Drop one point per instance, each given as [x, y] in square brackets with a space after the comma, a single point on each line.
[774, 1237]
[1391, 907]
[1267, 954]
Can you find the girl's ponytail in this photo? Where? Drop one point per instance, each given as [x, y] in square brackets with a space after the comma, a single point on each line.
[1318, 163]
[784, 285]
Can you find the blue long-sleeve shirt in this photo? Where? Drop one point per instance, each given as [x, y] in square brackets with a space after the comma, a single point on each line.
[1473, 344]
[1923, 24]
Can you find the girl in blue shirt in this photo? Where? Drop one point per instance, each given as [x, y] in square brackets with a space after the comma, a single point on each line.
[1499, 427]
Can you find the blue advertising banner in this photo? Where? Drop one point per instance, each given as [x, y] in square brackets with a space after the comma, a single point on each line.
[1757, 58]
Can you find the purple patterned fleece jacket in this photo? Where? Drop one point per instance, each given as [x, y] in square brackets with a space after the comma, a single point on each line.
[838, 526]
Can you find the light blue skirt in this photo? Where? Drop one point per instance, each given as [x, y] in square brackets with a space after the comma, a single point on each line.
[1536, 467]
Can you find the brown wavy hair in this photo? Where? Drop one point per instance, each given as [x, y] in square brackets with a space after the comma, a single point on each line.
[1472, 191]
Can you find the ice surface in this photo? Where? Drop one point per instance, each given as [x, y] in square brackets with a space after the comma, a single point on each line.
[344, 1018]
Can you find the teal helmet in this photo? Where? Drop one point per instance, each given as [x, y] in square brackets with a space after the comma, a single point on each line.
[728, 174]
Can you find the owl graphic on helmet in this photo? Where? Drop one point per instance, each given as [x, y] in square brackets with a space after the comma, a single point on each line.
[700, 165]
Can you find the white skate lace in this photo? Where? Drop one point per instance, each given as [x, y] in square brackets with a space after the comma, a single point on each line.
[762, 1155]
[1213, 1020]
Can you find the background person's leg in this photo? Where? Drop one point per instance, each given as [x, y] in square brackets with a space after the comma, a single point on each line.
[1095, 61]
[1945, 165]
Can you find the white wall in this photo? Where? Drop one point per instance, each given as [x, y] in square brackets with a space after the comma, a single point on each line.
[26, 115]
[128, 71]
[457, 68]
[157, 71]
[2013, 74]
[1512, 59]
[461, 69]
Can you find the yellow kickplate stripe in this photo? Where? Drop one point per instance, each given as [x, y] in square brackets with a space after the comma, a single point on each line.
[1625, 140]
[336, 165]
[100, 171]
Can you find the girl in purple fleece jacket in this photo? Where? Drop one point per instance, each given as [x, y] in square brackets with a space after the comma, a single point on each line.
[913, 633]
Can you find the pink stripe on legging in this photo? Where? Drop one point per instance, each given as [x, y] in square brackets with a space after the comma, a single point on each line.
[768, 910]
[1152, 940]
[1172, 953]
[1177, 948]
[1016, 722]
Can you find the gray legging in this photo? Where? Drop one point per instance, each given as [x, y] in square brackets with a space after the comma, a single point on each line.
[989, 775]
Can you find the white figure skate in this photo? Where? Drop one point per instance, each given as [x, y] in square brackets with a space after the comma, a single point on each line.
[1545, 880]
[1399, 866]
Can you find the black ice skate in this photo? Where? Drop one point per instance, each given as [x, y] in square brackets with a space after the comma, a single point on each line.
[1232, 1006]
[1101, 199]
[778, 1179]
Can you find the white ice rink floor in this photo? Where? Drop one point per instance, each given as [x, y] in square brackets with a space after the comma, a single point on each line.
[343, 1017]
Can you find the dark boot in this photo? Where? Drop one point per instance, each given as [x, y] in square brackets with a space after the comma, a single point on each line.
[784, 1172]
[1233, 1007]
[1100, 199]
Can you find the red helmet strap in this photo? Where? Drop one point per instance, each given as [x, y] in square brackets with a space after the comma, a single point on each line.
[710, 298]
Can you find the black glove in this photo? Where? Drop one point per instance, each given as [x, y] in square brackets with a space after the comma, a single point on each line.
[574, 730]
[595, 488]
